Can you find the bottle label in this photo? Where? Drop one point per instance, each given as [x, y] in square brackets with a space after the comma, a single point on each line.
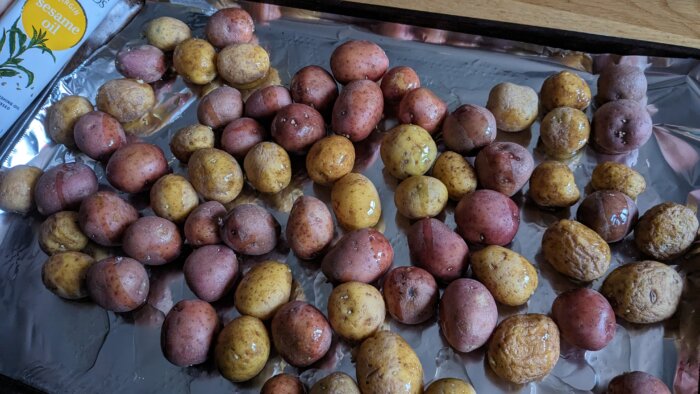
[63, 22]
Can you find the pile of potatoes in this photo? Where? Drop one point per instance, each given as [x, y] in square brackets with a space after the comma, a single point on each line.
[250, 130]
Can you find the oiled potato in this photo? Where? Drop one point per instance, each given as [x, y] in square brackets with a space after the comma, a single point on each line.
[565, 89]
[301, 333]
[387, 364]
[438, 249]
[315, 87]
[411, 294]
[487, 217]
[643, 292]
[420, 196]
[296, 127]
[575, 250]
[229, 26]
[616, 176]
[152, 240]
[408, 150]
[62, 116]
[243, 65]
[188, 332]
[564, 131]
[504, 167]
[61, 232]
[219, 107]
[241, 135]
[362, 255]
[17, 187]
[134, 167]
[510, 278]
[165, 33]
[264, 103]
[469, 128]
[64, 274]
[189, 139]
[514, 106]
[666, 231]
[196, 61]
[118, 284]
[552, 184]
[63, 187]
[358, 60]
[267, 167]
[450, 386]
[397, 82]
[609, 213]
[125, 99]
[455, 172]
[637, 382]
[335, 383]
[266, 287]
[242, 349]
[211, 271]
[355, 310]
[330, 159]
[423, 108]
[356, 202]
[468, 314]
[173, 197]
[143, 62]
[620, 127]
[250, 229]
[585, 318]
[215, 175]
[202, 224]
[283, 383]
[104, 217]
[98, 135]
[524, 348]
[309, 227]
[358, 110]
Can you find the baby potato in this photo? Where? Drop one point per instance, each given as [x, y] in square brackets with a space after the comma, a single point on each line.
[17, 188]
[283, 383]
[98, 135]
[362, 255]
[335, 383]
[229, 26]
[504, 167]
[487, 217]
[423, 108]
[575, 250]
[296, 127]
[152, 240]
[62, 116]
[243, 66]
[64, 274]
[60, 188]
[118, 284]
[358, 60]
[264, 103]
[552, 185]
[609, 213]
[514, 106]
[266, 287]
[250, 229]
[330, 159]
[455, 172]
[188, 332]
[173, 197]
[620, 127]
[143, 62]
[585, 318]
[411, 294]
[104, 217]
[397, 82]
[125, 99]
[564, 131]
[215, 175]
[309, 228]
[202, 224]
[565, 89]
[61, 232]
[356, 202]
[358, 110]
[241, 135]
[134, 167]
[510, 278]
[450, 386]
[420, 196]
[408, 150]
[643, 292]
[356, 310]
[267, 167]
[524, 348]
[315, 87]
[469, 128]
[438, 249]
[196, 61]
[468, 314]
[387, 364]
[301, 333]
[189, 139]
[621, 81]
[637, 382]
[242, 349]
[165, 33]
[219, 107]
[616, 176]
[211, 271]
[666, 231]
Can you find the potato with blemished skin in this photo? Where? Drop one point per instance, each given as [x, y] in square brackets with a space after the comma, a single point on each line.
[637, 382]
[309, 228]
[335, 383]
[98, 135]
[118, 284]
[134, 167]
[62, 116]
[144, 63]
[357, 110]
[296, 127]
[467, 314]
[215, 175]
[510, 277]
[356, 202]
[362, 255]
[104, 217]
[439, 250]
[355, 310]
[609, 213]
[469, 128]
[17, 186]
[666, 231]
[455, 172]
[152, 240]
[242, 349]
[643, 292]
[250, 229]
[585, 318]
[423, 108]
[387, 364]
[565, 89]
[408, 150]
[263, 289]
[165, 33]
[330, 159]
[188, 332]
[315, 87]
[283, 383]
[487, 217]
[211, 271]
[358, 60]
[202, 224]
[173, 197]
[125, 99]
[265, 102]
[64, 274]
[196, 61]
[564, 131]
[61, 232]
[411, 294]
[616, 176]
[219, 107]
[301, 333]
[189, 139]
[620, 127]
[420, 196]
[621, 81]
[397, 82]
[244, 66]
[515, 107]
[241, 135]
[229, 26]
[524, 348]
[552, 185]
[268, 167]
[63, 187]
[450, 386]
[504, 167]
[575, 250]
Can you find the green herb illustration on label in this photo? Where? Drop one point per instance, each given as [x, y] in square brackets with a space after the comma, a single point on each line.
[18, 45]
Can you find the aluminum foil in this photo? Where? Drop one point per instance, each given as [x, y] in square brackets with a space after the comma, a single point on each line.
[63, 346]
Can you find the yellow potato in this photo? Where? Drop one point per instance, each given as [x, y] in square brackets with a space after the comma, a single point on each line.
[619, 177]
[387, 364]
[173, 197]
[127, 100]
[565, 89]
[455, 172]
[62, 115]
[408, 150]
[195, 60]
[335, 383]
[243, 65]
[564, 131]
[267, 167]
[17, 188]
[190, 139]
[356, 202]
[420, 197]
[575, 250]
[64, 274]
[242, 349]
[355, 310]
[330, 159]
[514, 106]
[61, 232]
[552, 184]
[165, 33]
[215, 175]
[450, 386]
[510, 278]
[266, 287]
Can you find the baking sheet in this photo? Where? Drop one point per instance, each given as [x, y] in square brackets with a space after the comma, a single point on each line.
[62, 346]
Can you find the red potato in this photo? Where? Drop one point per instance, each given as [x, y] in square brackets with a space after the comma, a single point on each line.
[504, 167]
[211, 271]
[469, 128]
[296, 127]
[609, 213]
[309, 228]
[487, 217]
[397, 82]
[621, 81]
[411, 294]
[264, 103]
[144, 62]
[357, 60]
[301, 333]
[637, 382]
[358, 110]
[104, 217]
[362, 255]
[315, 87]
[220, 106]
[152, 240]
[423, 108]
[134, 167]
[63, 187]
[98, 135]
[250, 229]
[118, 284]
[188, 332]
[585, 318]
[241, 135]
[438, 249]
[468, 314]
[202, 224]
[620, 126]
[229, 26]
[283, 383]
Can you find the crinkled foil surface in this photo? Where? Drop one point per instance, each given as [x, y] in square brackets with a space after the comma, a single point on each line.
[62, 346]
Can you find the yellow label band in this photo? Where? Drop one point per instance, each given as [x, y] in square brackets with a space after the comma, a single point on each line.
[63, 20]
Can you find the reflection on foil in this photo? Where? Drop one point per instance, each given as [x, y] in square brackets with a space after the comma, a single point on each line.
[62, 346]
